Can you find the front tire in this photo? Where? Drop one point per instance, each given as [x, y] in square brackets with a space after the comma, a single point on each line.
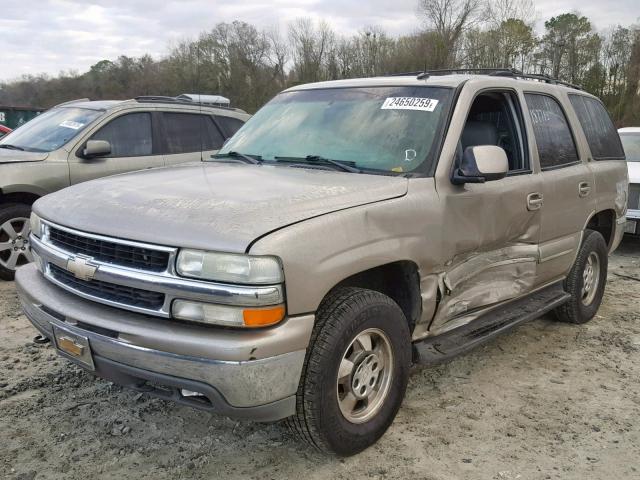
[14, 239]
[586, 280]
[355, 374]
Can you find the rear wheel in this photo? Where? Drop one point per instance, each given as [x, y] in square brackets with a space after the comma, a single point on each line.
[586, 280]
[14, 239]
[356, 372]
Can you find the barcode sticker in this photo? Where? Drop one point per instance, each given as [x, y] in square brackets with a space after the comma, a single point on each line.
[410, 103]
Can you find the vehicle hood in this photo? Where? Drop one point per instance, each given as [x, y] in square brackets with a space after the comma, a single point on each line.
[211, 205]
[634, 172]
[14, 156]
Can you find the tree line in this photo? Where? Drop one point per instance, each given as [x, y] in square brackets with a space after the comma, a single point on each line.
[250, 65]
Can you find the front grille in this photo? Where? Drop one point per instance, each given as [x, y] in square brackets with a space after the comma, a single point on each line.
[634, 196]
[129, 296]
[110, 252]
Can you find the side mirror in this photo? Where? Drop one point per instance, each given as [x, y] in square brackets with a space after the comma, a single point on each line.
[96, 148]
[482, 163]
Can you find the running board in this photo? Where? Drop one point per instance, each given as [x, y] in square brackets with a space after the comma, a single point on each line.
[445, 346]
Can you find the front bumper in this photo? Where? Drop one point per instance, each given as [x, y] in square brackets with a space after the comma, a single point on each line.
[633, 214]
[247, 374]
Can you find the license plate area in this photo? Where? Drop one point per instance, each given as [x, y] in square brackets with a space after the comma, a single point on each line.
[74, 347]
[630, 226]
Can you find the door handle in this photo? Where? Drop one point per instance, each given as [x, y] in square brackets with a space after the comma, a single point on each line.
[584, 189]
[534, 201]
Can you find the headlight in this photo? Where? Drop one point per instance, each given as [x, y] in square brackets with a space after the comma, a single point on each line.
[36, 225]
[229, 267]
[226, 316]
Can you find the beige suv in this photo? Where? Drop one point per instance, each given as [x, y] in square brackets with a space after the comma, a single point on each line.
[349, 229]
[82, 140]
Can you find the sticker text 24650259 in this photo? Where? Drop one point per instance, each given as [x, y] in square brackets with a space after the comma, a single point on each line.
[410, 103]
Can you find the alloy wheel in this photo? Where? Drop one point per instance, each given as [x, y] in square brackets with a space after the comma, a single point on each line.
[14, 243]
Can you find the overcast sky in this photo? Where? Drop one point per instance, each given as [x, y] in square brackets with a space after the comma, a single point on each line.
[54, 35]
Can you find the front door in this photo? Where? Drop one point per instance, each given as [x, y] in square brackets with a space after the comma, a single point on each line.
[490, 232]
[132, 148]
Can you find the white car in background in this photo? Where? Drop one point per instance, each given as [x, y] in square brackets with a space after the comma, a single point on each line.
[631, 142]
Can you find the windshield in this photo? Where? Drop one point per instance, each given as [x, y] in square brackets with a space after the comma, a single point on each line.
[51, 130]
[631, 144]
[390, 129]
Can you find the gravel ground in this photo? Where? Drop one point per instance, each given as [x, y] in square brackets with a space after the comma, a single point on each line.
[547, 400]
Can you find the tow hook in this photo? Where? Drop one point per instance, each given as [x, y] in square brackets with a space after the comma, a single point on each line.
[41, 339]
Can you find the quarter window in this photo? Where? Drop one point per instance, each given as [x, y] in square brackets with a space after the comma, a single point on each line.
[129, 135]
[187, 132]
[556, 146]
[602, 136]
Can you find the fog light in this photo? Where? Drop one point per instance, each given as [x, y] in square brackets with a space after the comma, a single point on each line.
[226, 316]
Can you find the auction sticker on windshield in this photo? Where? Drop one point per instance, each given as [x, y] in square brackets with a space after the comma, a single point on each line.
[410, 103]
[71, 124]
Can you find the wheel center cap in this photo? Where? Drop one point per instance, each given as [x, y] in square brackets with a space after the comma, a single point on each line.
[365, 376]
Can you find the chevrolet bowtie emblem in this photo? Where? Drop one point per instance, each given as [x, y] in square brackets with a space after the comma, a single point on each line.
[82, 268]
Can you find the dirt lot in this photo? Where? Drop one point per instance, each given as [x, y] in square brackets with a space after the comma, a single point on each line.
[546, 401]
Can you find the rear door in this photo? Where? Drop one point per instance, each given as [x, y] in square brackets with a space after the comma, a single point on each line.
[565, 198]
[132, 148]
[189, 137]
[606, 159]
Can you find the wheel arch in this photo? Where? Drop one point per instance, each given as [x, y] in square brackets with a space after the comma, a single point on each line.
[22, 195]
[399, 280]
[603, 222]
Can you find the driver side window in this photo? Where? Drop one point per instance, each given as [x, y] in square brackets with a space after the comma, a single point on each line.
[495, 119]
[129, 135]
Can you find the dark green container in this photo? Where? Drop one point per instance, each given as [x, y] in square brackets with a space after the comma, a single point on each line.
[13, 117]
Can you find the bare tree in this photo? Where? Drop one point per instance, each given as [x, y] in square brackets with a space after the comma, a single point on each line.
[449, 19]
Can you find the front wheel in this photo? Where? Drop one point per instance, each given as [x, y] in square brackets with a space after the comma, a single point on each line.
[14, 239]
[356, 372]
[586, 280]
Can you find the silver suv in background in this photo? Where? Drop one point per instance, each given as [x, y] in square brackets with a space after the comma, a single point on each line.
[630, 137]
[82, 140]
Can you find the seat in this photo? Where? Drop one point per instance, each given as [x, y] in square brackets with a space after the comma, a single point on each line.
[479, 133]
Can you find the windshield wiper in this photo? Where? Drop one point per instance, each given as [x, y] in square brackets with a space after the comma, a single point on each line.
[11, 147]
[345, 166]
[254, 160]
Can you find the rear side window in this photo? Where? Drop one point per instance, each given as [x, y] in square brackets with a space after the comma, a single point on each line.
[551, 129]
[602, 136]
[129, 135]
[230, 125]
[187, 132]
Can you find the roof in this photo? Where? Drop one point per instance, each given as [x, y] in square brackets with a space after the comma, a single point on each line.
[434, 80]
[93, 105]
[629, 130]
[103, 105]
[391, 81]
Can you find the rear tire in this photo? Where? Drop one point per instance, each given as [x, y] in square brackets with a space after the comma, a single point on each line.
[586, 280]
[355, 373]
[14, 238]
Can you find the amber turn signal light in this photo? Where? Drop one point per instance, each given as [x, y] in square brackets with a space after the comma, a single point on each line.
[263, 317]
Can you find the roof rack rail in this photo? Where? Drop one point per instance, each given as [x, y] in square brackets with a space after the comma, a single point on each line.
[190, 99]
[72, 101]
[405, 74]
[494, 72]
